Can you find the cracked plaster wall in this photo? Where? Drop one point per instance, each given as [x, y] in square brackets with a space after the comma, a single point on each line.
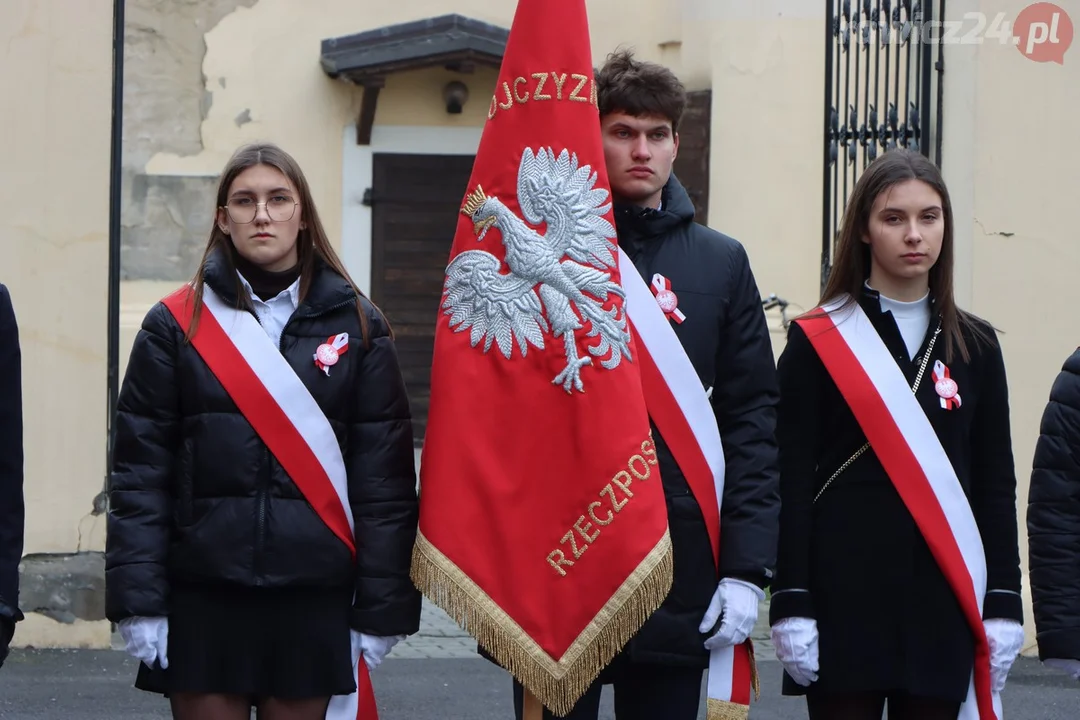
[166, 217]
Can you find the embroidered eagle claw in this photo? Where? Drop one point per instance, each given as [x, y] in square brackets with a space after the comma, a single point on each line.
[557, 282]
[571, 374]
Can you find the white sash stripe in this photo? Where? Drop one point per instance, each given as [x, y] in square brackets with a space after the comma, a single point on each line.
[721, 673]
[344, 707]
[874, 357]
[681, 377]
[281, 381]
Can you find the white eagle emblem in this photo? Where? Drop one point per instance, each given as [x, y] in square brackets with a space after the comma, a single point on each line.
[566, 268]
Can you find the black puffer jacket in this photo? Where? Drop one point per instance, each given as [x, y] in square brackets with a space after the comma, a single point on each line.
[1053, 519]
[726, 336]
[197, 497]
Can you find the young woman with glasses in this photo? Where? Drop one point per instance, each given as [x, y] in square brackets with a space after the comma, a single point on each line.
[227, 579]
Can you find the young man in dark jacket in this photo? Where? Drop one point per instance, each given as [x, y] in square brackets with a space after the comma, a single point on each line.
[11, 472]
[722, 329]
[1053, 521]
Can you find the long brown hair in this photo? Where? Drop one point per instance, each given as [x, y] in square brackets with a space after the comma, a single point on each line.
[311, 242]
[851, 264]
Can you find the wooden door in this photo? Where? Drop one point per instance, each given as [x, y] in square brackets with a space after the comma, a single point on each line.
[415, 202]
[692, 162]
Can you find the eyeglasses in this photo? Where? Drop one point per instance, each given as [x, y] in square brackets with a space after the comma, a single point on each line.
[280, 208]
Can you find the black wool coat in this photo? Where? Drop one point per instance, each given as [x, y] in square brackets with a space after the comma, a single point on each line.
[855, 560]
[1053, 519]
[197, 497]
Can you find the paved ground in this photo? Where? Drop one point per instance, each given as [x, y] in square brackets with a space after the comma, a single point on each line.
[96, 685]
[435, 675]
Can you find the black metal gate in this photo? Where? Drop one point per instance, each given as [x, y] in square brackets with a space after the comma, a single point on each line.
[882, 90]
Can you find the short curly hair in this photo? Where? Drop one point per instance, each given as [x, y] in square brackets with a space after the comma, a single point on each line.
[639, 88]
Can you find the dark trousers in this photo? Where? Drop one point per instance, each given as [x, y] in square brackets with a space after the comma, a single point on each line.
[642, 692]
[870, 706]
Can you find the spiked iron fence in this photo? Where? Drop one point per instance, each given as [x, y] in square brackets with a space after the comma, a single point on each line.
[882, 90]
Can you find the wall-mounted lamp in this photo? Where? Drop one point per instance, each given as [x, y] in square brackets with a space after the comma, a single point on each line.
[455, 93]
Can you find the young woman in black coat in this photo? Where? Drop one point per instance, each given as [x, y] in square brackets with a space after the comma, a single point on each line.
[861, 613]
[224, 578]
[1053, 523]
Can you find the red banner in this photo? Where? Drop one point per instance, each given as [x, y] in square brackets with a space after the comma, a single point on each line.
[543, 526]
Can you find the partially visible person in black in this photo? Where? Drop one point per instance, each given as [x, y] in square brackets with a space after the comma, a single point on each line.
[722, 329]
[1053, 523]
[11, 472]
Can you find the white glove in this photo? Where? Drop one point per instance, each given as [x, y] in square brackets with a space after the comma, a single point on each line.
[374, 648]
[147, 639]
[1071, 667]
[796, 643]
[736, 602]
[1006, 638]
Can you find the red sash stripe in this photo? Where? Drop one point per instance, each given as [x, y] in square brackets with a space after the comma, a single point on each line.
[741, 676]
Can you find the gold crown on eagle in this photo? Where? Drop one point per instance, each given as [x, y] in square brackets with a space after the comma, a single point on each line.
[473, 201]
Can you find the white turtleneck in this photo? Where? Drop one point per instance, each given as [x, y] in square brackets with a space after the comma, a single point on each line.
[913, 319]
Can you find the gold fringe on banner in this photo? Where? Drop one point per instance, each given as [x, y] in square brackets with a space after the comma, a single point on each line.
[755, 681]
[557, 684]
[723, 710]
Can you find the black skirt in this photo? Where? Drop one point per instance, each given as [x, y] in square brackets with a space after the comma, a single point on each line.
[288, 643]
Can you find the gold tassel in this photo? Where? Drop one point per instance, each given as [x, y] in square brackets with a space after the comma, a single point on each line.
[557, 684]
[755, 681]
[723, 710]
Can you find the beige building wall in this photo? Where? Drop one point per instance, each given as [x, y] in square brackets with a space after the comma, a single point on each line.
[55, 88]
[768, 64]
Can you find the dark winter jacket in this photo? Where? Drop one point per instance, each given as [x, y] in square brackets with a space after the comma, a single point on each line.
[11, 469]
[872, 580]
[726, 337]
[196, 496]
[1053, 519]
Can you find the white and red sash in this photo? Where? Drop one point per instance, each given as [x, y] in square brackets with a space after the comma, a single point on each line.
[282, 411]
[904, 441]
[681, 410]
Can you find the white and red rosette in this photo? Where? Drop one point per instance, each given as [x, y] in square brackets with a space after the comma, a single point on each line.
[328, 354]
[666, 298]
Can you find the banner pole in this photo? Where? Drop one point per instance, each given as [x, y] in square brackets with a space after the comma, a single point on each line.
[532, 709]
